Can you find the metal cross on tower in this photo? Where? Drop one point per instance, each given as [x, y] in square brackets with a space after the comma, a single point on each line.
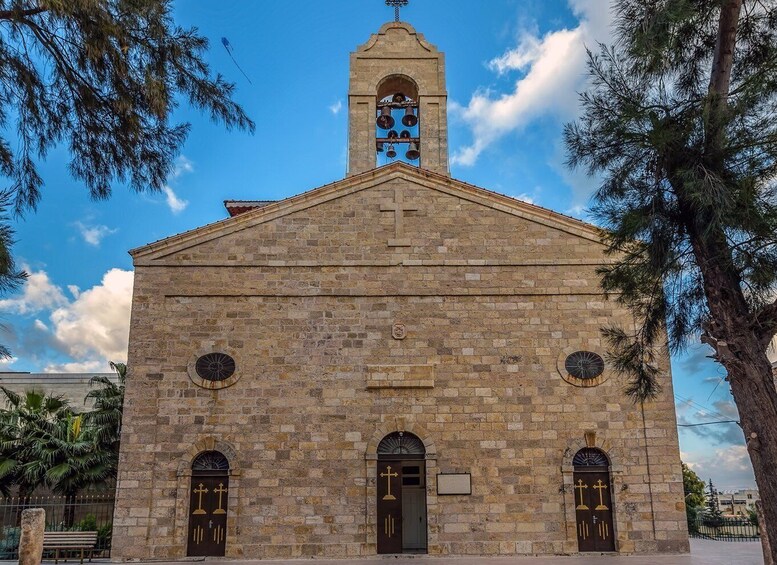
[397, 4]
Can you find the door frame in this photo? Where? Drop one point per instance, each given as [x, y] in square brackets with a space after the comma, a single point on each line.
[615, 470]
[397, 464]
[578, 475]
[182, 497]
[211, 477]
[370, 473]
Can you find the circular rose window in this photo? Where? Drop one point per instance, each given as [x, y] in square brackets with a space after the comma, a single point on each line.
[584, 365]
[215, 367]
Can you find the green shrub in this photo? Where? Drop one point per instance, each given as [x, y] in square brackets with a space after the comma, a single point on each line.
[9, 545]
[752, 516]
[87, 524]
[104, 533]
[692, 516]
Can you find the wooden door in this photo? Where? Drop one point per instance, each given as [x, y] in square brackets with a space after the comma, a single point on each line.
[389, 506]
[593, 510]
[208, 515]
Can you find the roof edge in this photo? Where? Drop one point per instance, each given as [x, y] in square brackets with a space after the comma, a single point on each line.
[484, 196]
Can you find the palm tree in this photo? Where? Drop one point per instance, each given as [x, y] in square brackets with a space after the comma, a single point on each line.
[70, 457]
[108, 405]
[23, 416]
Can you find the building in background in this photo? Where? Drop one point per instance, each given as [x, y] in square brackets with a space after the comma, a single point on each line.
[737, 502]
[72, 386]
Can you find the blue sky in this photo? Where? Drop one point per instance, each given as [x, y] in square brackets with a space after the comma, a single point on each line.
[514, 68]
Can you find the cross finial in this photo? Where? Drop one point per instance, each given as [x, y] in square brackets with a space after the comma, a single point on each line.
[396, 4]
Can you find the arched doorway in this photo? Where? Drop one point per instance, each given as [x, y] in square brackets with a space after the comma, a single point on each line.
[401, 478]
[593, 501]
[207, 533]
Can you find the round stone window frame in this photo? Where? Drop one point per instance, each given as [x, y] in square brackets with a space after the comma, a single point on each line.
[191, 369]
[575, 381]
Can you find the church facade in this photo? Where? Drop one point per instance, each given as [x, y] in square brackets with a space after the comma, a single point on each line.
[397, 362]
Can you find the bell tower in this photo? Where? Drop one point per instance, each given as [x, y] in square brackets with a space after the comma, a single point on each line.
[397, 102]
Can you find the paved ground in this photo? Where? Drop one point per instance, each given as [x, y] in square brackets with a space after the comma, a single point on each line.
[703, 552]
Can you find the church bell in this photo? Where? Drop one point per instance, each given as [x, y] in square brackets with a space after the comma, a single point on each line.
[409, 119]
[385, 121]
[413, 153]
[391, 153]
[379, 147]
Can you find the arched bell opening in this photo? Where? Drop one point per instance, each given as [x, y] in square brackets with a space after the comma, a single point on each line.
[207, 532]
[397, 83]
[593, 500]
[401, 506]
[397, 121]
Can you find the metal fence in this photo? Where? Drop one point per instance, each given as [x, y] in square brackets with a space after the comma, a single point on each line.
[81, 513]
[724, 529]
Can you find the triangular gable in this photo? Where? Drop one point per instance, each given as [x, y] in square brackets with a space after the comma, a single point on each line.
[420, 177]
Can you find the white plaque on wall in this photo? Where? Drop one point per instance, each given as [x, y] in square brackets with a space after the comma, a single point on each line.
[454, 483]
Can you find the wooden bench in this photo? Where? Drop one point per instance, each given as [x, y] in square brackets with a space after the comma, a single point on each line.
[70, 541]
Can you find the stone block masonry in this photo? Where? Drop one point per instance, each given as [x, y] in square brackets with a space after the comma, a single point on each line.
[306, 296]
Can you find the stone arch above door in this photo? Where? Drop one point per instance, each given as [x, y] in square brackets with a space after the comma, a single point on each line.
[401, 443]
[400, 425]
[209, 444]
[597, 441]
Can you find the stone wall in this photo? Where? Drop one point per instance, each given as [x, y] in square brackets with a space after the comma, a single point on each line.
[493, 295]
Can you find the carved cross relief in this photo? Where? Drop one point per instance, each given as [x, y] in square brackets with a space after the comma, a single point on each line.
[399, 208]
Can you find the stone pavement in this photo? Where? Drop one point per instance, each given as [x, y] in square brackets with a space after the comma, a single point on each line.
[703, 552]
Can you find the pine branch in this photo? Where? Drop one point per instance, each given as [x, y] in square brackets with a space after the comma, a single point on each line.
[765, 323]
[16, 14]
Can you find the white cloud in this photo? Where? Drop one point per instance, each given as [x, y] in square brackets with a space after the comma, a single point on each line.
[94, 328]
[40, 326]
[552, 72]
[38, 293]
[336, 107]
[523, 197]
[728, 467]
[93, 235]
[577, 211]
[182, 166]
[6, 362]
[524, 55]
[175, 203]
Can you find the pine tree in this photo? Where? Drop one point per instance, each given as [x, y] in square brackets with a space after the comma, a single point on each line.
[713, 504]
[11, 278]
[102, 78]
[681, 122]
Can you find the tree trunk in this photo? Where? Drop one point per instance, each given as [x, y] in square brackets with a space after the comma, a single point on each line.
[766, 545]
[723, 61]
[752, 385]
[739, 348]
[70, 510]
[742, 352]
